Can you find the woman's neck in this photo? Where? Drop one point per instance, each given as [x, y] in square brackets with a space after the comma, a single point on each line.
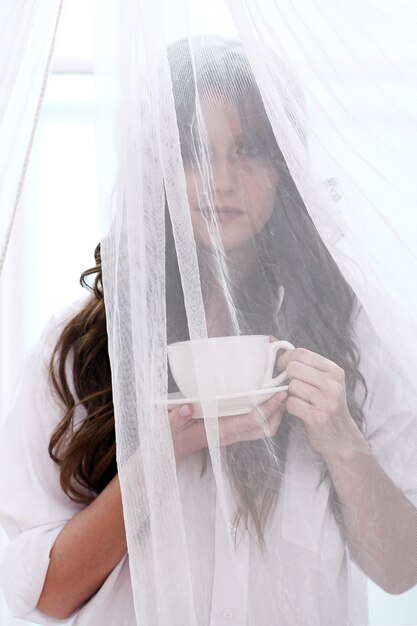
[221, 276]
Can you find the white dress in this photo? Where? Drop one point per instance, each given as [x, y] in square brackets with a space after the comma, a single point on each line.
[305, 579]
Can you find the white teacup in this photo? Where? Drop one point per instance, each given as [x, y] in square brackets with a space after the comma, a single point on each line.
[225, 365]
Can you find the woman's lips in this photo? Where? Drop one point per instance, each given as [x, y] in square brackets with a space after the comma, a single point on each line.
[222, 214]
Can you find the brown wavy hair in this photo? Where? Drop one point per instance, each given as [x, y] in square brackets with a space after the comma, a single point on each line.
[86, 452]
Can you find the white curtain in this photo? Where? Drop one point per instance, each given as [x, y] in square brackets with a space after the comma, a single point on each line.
[27, 36]
[27, 33]
[53, 191]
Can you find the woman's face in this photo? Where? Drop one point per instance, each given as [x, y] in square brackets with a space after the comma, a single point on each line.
[239, 196]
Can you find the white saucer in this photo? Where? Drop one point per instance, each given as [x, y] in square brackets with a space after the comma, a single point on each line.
[233, 404]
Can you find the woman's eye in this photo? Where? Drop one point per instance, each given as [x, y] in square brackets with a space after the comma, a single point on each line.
[250, 150]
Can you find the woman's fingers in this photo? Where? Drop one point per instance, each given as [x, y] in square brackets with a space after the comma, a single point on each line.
[180, 416]
[299, 408]
[315, 381]
[297, 370]
[189, 435]
[310, 358]
[305, 391]
[253, 425]
[272, 424]
[259, 414]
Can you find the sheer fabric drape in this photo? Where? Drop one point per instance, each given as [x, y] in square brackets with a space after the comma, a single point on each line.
[27, 36]
[319, 98]
[257, 178]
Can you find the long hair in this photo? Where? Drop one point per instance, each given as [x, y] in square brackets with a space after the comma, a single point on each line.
[85, 452]
[318, 303]
[315, 313]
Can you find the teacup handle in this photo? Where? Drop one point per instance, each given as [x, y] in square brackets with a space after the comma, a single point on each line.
[274, 348]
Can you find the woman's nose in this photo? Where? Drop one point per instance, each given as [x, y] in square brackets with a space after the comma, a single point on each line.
[225, 176]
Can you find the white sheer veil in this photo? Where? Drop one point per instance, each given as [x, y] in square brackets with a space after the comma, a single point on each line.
[299, 81]
[258, 178]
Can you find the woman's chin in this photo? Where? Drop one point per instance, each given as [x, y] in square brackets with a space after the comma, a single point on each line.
[231, 234]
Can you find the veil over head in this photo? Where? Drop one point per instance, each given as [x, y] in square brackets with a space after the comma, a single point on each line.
[258, 190]
[247, 204]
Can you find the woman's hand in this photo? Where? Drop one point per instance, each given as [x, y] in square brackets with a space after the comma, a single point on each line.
[189, 434]
[317, 396]
[378, 519]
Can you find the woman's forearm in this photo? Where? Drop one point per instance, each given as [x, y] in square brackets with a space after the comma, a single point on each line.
[85, 552]
[93, 542]
[380, 522]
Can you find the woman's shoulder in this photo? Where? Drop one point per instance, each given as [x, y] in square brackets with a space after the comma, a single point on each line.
[57, 323]
[34, 400]
[36, 368]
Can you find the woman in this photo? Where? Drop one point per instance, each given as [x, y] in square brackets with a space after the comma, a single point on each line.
[309, 494]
